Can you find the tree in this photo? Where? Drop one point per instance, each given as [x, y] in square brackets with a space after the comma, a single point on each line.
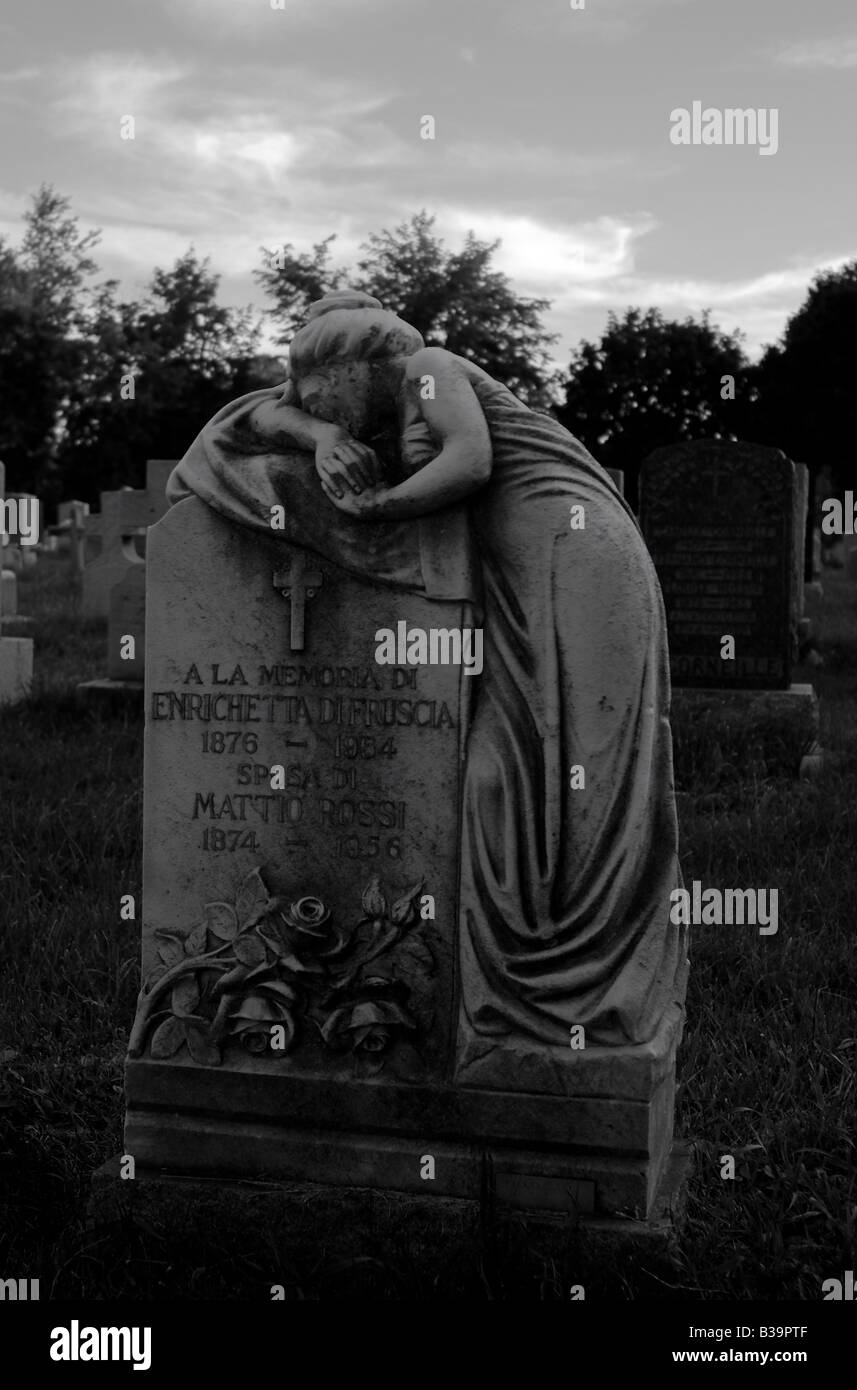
[651, 381]
[455, 299]
[294, 281]
[808, 402]
[161, 368]
[46, 300]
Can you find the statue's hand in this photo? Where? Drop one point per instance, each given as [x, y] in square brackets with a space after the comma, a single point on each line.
[343, 465]
[367, 504]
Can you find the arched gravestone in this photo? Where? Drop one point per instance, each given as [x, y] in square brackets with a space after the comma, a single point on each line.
[725, 522]
[239, 680]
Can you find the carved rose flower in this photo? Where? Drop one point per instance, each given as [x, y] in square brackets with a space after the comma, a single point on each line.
[312, 930]
[369, 1026]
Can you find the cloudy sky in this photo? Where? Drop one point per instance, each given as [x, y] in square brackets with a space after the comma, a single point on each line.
[257, 125]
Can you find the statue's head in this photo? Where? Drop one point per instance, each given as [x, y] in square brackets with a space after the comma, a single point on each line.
[346, 360]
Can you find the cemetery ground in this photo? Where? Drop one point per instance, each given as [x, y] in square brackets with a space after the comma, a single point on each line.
[766, 1069]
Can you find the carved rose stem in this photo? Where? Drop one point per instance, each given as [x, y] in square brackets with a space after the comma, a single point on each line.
[145, 1002]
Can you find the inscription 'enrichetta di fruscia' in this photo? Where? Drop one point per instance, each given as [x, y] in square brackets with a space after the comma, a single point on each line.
[262, 707]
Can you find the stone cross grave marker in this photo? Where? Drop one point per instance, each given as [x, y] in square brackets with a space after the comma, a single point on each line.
[124, 519]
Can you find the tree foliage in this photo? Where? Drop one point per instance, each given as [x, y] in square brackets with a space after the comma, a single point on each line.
[652, 381]
[454, 298]
[808, 403]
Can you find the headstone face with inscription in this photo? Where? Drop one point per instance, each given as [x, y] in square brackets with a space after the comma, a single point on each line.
[721, 520]
[268, 662]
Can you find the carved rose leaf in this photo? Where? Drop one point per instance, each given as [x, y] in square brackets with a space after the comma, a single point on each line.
[172, 949]
[298, 967]
[196, 943]
[259, 972]
[253, 900]
[220, 918]
[168, 1038]
[185, 996]
[203, 1052]
[250, 951]
[413, 958]
[404, 909]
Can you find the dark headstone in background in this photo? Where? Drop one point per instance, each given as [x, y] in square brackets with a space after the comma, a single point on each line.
[720, 520]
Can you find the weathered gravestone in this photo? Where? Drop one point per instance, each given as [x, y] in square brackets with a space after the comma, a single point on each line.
[379, 926]
[157, 475]
[725, 523]
[119, 532]
[123, 521]
[91, 543]
[9, 601]
[365, 826]
[123, 527]
[20, 554]
[16, 653]
[238, 681]
[77, 533]
[126, 623]
[69, 532]
[67, 511]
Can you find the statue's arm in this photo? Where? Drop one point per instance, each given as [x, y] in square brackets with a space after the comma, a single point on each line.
[280, 424]
[457, 421]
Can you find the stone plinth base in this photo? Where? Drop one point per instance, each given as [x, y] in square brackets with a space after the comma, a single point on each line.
[16, 668]
[718, 734]
[106, 692]
[175, 1204]
[599, 1149]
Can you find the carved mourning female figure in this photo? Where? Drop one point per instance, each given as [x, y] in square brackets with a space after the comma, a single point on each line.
[568, 850]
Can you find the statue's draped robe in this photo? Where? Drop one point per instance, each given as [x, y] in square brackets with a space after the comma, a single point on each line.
[565, 893]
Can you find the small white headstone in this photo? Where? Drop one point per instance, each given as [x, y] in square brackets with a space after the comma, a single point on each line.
[16, 653]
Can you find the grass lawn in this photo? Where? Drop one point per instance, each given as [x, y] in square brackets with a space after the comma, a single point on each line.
[767, 1068]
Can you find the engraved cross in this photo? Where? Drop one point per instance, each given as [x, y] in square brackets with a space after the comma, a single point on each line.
[298, 585]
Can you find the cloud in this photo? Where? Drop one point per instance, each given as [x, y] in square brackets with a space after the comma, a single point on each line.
[249, 18]
[837, 53]
[773, 285]
[610, 20]
[555, 262]
[759, 304]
